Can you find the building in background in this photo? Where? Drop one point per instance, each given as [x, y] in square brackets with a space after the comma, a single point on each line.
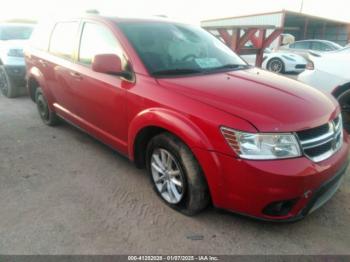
[301, 26]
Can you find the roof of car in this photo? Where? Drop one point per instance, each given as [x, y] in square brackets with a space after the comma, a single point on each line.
[7, 24]
[313, 40]
[127, 19]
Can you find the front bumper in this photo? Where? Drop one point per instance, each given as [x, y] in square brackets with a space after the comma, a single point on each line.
[16, 73]
[248, 187]
[295, 67]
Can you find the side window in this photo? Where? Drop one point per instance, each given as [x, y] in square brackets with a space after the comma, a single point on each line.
[321, 46]
[63, 39]
[97, 39]
[317, 46]
[302, 45]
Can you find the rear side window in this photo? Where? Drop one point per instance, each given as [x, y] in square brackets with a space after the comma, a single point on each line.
[97, 39]
[63, 38]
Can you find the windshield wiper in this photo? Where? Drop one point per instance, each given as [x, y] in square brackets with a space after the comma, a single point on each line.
[176, 71]
[230, 66]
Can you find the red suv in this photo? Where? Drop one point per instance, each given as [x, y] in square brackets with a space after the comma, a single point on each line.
[176, 100]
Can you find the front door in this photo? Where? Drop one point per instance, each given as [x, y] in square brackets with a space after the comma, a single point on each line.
[101, 102]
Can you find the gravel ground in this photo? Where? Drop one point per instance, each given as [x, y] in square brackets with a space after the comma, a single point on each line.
[62, 192]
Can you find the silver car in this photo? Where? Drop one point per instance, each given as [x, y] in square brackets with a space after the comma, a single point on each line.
[305, 46]
[13, 37]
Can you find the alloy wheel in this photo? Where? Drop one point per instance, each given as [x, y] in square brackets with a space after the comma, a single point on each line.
[167, 176]
[276, 66]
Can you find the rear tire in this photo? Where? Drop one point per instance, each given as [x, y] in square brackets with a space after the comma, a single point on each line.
[6, 87]
[344, 101]
[178, 173]
[276, 65]
[46, 114]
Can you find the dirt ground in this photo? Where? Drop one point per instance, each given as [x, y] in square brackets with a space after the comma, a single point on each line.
[62, 192]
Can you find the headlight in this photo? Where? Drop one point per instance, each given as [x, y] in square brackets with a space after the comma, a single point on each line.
[262, 146]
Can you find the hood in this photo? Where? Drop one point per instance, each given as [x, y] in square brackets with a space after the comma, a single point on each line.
[270, 102]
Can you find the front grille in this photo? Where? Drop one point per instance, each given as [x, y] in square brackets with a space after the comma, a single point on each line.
[322, 142]
[313, 132]
[319, 150]
[300, 66]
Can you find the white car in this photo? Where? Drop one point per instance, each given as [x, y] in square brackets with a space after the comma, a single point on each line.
[279, 62]
[330, 73]
[304, 46]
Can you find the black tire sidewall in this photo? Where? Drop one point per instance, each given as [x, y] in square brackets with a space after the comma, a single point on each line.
[52, 118]
[11, 90]
[345, 94]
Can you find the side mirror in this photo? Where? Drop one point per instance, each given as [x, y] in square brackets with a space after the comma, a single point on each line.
[107, 64]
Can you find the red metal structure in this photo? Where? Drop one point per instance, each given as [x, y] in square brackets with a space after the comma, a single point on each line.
[237, 37]
[236, 31]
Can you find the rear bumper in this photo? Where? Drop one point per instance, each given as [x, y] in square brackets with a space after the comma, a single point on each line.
[248, 187]
[16, 73]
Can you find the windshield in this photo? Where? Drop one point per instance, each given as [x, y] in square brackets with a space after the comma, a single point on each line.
[13, 32]
[177, 49]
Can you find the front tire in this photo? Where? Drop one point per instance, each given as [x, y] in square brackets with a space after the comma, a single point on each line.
[344, 101]
[6, 87]
[276, 65]
[46, 114]
[176, 175]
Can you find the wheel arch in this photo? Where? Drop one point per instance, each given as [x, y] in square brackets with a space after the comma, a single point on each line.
[270, 59]
[151, 122]
[35, 79]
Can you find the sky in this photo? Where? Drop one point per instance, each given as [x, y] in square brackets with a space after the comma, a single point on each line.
[190, 11]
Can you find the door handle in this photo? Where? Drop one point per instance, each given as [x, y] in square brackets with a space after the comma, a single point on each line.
[76, 75]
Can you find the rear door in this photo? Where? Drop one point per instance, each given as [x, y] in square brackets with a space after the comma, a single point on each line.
[101, 97]
[60, 63]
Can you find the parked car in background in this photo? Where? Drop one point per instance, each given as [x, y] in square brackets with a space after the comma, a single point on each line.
[279, 62]
[330, 73]
[303, 47]
[207, 126]
[13, 37]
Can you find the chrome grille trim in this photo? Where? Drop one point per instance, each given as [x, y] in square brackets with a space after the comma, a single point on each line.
[316, 148]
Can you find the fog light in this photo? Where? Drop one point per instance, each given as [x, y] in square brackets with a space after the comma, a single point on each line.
[279, 208]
